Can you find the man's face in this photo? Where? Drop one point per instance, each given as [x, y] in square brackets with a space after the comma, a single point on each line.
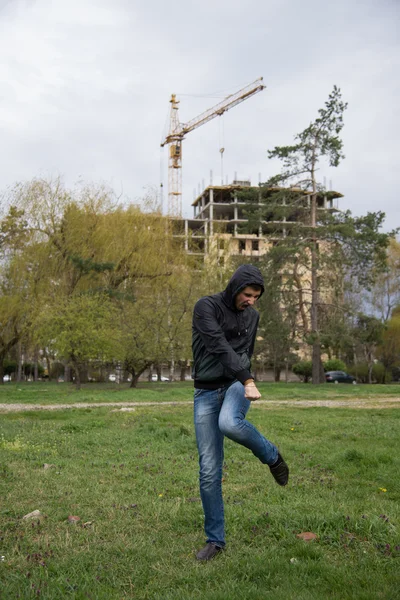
[247, 297]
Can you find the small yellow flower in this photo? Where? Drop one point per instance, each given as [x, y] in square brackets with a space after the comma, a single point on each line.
[383, 489]
[160, 495]
[292, 429]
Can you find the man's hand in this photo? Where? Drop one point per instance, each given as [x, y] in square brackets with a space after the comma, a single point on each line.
[250, 391]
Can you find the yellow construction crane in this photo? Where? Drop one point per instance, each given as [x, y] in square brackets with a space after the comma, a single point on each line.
[177, 132]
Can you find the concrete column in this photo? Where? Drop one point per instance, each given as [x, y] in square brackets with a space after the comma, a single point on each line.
[211, 217]
[235, 216]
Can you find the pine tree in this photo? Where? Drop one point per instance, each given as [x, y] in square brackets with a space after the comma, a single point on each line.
[321, 248]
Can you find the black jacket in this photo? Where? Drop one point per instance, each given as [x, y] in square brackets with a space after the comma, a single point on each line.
[223, 337]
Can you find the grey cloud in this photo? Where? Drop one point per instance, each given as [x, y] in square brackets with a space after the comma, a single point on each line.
[87, 85]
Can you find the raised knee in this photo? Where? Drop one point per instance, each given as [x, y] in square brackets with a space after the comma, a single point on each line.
[229, 426]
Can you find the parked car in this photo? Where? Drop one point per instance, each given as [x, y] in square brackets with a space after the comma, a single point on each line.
[155, 378]
[339, 377]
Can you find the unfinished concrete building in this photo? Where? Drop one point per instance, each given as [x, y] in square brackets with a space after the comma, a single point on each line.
[220, 224]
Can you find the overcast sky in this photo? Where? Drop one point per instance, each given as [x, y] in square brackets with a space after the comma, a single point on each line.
[85, 88]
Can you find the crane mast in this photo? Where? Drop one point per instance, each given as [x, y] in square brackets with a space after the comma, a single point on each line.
[177, 132]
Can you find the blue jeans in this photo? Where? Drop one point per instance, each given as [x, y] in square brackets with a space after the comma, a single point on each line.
[219, 413]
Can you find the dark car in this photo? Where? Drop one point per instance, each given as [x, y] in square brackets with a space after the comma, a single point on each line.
[339, 377]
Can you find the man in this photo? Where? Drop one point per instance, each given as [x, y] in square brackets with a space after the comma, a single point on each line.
[223, 336]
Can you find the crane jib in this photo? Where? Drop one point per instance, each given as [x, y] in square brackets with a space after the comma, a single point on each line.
[178, 130]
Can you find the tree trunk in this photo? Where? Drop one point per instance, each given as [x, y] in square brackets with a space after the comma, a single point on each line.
[20, 361]
[183, 372]
[48, 365]
[75, 366]
[171, 374]
[2, 369]
[35, 364]
[300, 296]
[136, 372]
[134, 380]
[317, 369]
[277, 374]
[67, 373]
[5, 348]
[370, 367]
[77, 378]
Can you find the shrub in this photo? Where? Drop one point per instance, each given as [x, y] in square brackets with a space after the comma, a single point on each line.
[57, 370]
[396, 374]
[334, 365]
[10, 367]
[29, 368]
[380, 374]
[303, 369]
[360, 371]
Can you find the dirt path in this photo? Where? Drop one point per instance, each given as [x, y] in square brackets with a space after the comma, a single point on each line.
[357, 403]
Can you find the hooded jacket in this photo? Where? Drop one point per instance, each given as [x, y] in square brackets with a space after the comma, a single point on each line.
[223, 337]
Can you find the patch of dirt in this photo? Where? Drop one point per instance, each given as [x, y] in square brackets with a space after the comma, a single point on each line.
[373, 403]
[354, 403]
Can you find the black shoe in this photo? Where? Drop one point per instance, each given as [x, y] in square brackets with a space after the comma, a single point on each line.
[209, 551]
[280, 471]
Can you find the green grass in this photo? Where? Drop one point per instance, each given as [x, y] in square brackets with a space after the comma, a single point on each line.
[132, 480]
[63, 393]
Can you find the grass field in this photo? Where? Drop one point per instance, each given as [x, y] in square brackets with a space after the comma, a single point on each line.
[131, 477]
[54, 393]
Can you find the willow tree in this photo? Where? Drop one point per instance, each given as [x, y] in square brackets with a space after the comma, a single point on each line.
[82, 328]
[385, 293]
[91, 246]
[13, 308]
[389, 350]
[17, 281]
[175, 297]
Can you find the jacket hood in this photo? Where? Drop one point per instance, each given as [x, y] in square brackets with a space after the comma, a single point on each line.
[245, 275]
